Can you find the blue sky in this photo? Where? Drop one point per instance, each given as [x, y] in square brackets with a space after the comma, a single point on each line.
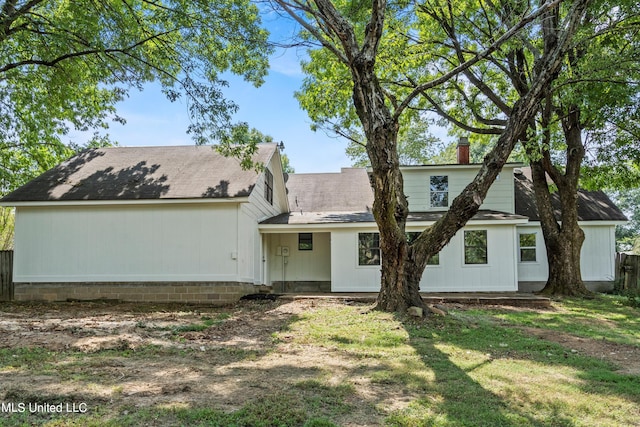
[272, 109]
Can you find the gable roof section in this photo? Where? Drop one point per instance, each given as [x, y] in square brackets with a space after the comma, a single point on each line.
[592, 205]
[137, 173]
[347, 191]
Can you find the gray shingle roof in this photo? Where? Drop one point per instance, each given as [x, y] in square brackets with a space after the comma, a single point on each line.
[132, 173]
[592, 205]
[296, 218]
[347, 191]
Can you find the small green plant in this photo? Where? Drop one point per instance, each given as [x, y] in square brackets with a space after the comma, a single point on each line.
[633, 297]
[206, 323]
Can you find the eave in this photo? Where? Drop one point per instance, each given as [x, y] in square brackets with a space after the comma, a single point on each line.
[125, 202]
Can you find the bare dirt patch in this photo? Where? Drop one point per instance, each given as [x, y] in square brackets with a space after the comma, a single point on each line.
[130, 355]
[625, 357]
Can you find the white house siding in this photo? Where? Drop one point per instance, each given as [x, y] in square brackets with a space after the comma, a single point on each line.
[127, 243]
[451, 275]
[259, 209]
[416, 186]
[248, 242]
[346, 274]
[532, 271]
[597, 261]
[597, 256]
[299, 266]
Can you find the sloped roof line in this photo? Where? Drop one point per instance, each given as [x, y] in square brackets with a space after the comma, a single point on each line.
[337, 217]
[592, 205]
[139, 173]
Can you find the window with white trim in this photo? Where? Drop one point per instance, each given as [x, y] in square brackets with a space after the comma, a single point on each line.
[368, 249]
[475, 247]
[439, 191]
[527, 243]
[268, 186]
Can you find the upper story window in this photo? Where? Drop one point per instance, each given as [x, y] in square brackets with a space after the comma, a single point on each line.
[368, 249]
[439, 191]
[527, 247]
[268, 186]
[475, 247]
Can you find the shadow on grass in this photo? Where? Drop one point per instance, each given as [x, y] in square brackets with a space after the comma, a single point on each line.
[599, 317]
[340, 365]
[451, 349]
[306, 403]
[452, 397]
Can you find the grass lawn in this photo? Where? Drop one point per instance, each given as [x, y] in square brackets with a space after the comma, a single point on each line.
[323, 364]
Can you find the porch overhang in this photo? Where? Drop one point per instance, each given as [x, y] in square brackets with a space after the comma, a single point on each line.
[304, 221]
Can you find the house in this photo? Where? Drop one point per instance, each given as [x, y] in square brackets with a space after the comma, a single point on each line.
[156, 223]
[187, 224]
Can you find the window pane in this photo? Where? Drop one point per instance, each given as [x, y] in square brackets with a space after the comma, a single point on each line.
[528, 240]
[412, 236]
[475, 238]
[475, 256]
[439, 190]
[268, 186]
[475, 247]
[368, 249]
[305, 241]
[434, 260]
[528, 255]
[439, 183]
[527, 247]
[439, 200]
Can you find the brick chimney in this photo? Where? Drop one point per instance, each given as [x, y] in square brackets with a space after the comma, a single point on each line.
[463, 150]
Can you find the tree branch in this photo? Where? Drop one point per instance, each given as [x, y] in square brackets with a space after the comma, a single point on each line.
[480, 56]
[483, 131]
[289, 9]
[88, 52]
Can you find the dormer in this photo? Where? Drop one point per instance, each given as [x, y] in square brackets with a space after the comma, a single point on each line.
[433, 187]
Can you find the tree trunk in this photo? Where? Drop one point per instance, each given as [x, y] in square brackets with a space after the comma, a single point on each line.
[390, 206]
[563, 240]
[563, 257]
[402, 265]
[563, 236]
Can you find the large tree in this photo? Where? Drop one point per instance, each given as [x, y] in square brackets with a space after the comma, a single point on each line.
[597, 85]
[65, 64]
[354, 35]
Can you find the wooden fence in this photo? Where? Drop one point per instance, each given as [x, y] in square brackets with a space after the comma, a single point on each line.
[6, 275]
[627, 272]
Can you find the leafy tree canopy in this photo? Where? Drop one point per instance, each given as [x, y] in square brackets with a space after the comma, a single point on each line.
[64, 65]
[628, 235]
